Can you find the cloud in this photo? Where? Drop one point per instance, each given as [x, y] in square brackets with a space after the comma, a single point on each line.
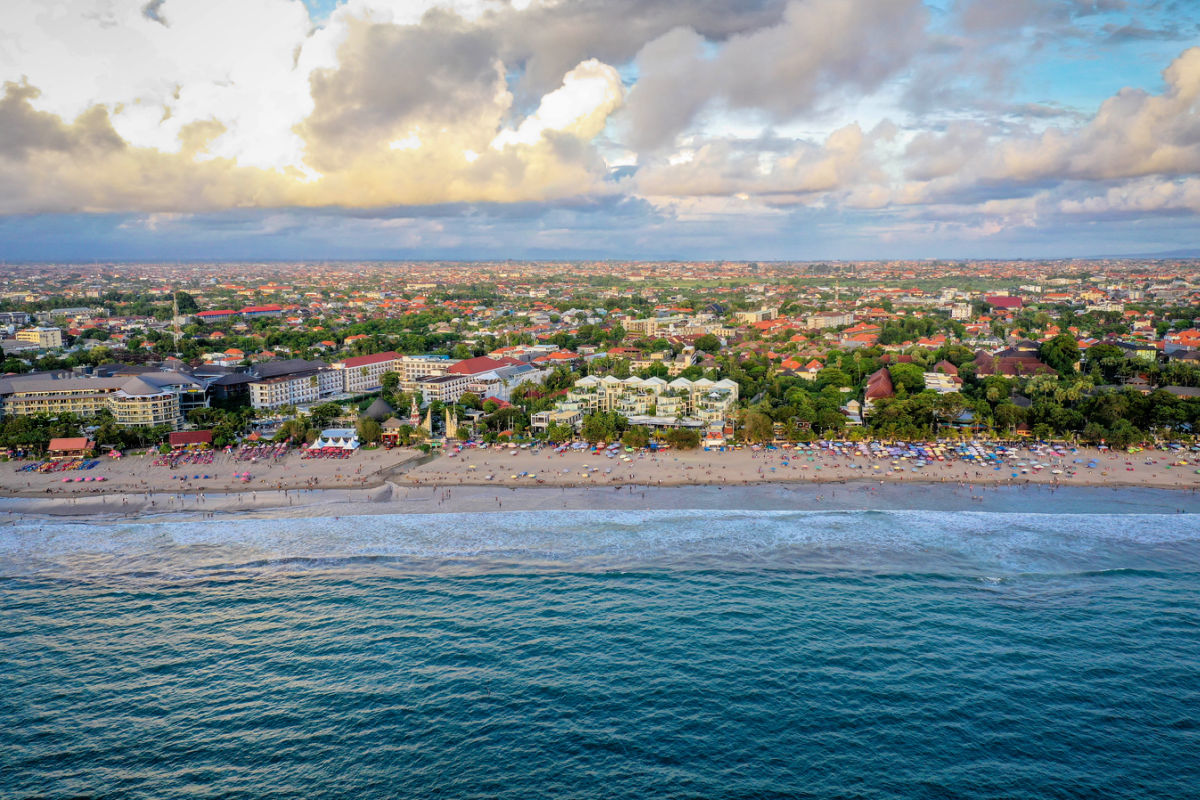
[993, 18]
[803, 169]
[754, 110]
[1138, 198]
[819, 49]
[391, 78]
[153, 11]
[1134, 133]
[49, 165]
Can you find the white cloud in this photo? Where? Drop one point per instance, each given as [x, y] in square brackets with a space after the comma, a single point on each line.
[581, 106]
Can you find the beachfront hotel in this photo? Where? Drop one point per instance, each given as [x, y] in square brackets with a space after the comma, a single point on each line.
[293, 382]
[363, 374]
[145, 400]
[702, 399]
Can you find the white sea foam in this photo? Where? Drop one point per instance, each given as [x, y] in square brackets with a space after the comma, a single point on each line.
[911, 541]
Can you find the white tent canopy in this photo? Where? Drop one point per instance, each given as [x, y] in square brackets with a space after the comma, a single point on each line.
[345, 438]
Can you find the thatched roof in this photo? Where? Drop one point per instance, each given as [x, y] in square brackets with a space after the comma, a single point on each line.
[379, 410]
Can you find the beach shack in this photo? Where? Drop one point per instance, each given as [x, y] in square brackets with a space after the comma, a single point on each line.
[391, 432]
[70, 447]
[193, 440]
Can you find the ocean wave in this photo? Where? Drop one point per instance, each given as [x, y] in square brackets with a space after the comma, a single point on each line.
[889, 541]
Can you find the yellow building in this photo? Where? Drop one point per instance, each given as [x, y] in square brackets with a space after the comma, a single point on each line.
[138, 404]
[45, 338]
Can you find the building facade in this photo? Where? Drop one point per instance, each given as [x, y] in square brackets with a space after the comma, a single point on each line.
[46, 338]
[701, 399]
[285, 390]
[364, 374]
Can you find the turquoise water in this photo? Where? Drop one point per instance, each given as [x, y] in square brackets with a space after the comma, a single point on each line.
[674, 654]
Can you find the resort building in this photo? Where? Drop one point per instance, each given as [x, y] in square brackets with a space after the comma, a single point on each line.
[293, 382]
[701, 399]
[412, 367]
[140, 404]
[942, 383]
[879, 387]
[150, 398]
[364, 374]
[544, 419]
[70, 447]
[443, 388]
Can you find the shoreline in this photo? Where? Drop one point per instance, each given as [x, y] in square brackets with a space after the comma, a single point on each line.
[406, 481]
[393, 499]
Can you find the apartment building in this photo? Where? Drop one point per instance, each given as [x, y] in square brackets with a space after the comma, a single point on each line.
[285, 390]
[828, 319]
[45, 338]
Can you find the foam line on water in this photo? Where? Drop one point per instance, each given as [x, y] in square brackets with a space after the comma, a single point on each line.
[1004, 543]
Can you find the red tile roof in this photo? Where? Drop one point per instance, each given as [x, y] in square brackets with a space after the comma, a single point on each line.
[183, 438]
[479, 364]
[364, 361]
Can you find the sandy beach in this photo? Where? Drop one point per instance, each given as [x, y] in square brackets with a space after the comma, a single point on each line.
[138, 474]
[745, 466]
[405, 481]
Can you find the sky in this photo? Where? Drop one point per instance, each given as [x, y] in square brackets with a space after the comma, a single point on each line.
[598, 129]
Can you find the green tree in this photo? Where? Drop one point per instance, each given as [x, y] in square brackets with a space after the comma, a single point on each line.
[757, 427]
[1104, 360]
[369, 430]
[1061, 352]
[558, 432]
[832, 376]
[323, 414]
[682, 438]
[908, 377]
[187, 303]
[636, 436]
[708, 343]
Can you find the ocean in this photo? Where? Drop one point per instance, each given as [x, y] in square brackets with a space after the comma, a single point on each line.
[671, 653]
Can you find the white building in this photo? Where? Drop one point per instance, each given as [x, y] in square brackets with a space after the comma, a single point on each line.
[285, 390]
[293, 382]
[444, 388]
[363, 374]
[701, 399]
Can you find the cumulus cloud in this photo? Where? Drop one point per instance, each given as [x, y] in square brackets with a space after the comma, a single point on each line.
[788, 173]
[1134, 133]
[819, 49]
[743, 108]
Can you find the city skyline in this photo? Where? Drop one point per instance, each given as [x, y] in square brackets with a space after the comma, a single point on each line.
[462, 129]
